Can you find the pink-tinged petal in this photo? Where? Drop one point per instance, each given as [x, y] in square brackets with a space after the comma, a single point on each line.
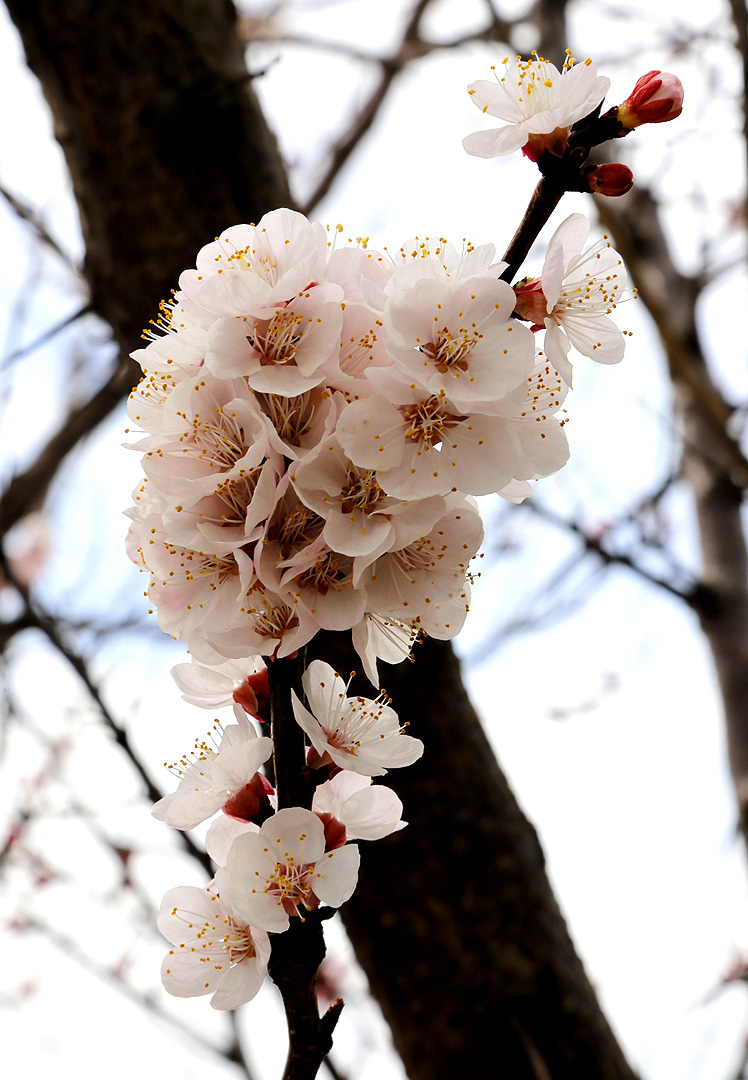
[182, 977]
[233, 292]
[221, 835]
[358, 533]
[557, 345]
[497, 99]
[546, 448]
[516, 491]
[210, 689]
[335, 875]
[170, 920]
[240, 983]
[367, 431]
[330, 796]
[586, 87]
[385, 639]
[295, 832]
[186, 810]
[372, 813]
[567, 241]
[236, 766]
[497, 142]
[598, 338]
[309, 724]
[552, 275]
[485, 451]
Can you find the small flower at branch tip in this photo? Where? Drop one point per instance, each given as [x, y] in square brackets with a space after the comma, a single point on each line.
[539, 104]
[612, 179]
[656, 98]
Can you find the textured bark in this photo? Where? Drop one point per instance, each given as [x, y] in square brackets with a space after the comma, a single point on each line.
[454, 920]
[166, 146]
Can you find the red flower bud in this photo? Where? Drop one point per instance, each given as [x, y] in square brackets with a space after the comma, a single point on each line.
[612, 179]
[657, 97]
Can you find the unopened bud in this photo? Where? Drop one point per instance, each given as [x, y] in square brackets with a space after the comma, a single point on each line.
[657, 97]
[611, 179]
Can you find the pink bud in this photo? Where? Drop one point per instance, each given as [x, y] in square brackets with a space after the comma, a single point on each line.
[612, 179]
[657, 97]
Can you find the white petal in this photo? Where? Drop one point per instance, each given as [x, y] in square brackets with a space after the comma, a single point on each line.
[336, 874]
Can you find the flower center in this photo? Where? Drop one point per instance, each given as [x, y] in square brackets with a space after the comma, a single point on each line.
[277, 340]
[289, 884]
[428, 421]
[292, 417]
[450, 351]
[361, 491]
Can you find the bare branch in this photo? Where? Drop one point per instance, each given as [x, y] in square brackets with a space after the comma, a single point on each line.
[18, 354]
[41, 620]
[412, 47]
[27, 214]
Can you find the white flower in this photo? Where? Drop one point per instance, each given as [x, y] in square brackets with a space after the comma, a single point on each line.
[455, 336]
[360, 517]
[222, 832]
[280, 350]
[215, 951]
[367, 811]
[574, 297]
[250, 266]
[419, 444]
[539, 103]
[425, 581]
[284, 867]
[214, 775]
[359, 734]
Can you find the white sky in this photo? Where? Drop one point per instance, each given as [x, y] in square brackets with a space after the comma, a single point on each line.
[631, 794]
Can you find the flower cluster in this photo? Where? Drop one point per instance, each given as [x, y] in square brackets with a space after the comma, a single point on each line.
[318, 419]
[274, 865]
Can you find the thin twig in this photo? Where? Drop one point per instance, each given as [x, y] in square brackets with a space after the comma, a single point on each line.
[46, 623]
[53, 331]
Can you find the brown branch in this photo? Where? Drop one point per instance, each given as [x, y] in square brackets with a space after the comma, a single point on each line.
[544, 201]
[298, 952]
[412, 47]
[694, 596]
